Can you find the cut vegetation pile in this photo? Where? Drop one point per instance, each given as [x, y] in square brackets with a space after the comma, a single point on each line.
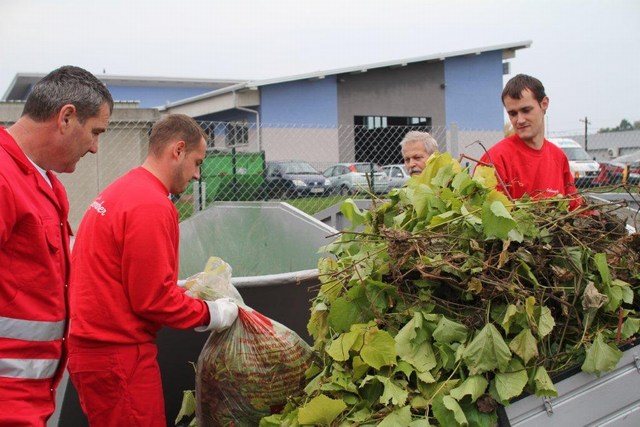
[450, 300]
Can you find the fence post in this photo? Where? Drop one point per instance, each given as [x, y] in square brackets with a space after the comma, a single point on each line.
[196, 196]
[203, 195]
[454, 141]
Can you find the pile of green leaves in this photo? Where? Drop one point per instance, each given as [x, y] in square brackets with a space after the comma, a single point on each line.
[453, 300]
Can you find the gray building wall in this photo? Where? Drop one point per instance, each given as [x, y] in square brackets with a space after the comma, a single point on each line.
[412, 91]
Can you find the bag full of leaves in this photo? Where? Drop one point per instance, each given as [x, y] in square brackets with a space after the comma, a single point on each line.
[213, 282]
[451, 299]
[249, 371]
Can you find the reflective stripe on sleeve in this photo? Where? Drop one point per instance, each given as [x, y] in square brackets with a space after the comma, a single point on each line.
[34, 369]
[31, 330]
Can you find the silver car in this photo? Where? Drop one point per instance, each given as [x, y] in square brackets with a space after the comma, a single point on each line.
[352, 178]
[397, 174]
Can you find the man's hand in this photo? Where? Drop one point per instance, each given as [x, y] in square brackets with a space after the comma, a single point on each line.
[222, 312]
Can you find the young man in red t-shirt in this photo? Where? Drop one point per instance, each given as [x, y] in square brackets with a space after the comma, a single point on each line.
[526, 162]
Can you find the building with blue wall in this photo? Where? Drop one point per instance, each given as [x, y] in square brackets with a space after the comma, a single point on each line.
[358, 113]
[437, 93]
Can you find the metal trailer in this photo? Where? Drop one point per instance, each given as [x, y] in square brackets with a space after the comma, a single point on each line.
[586, 400]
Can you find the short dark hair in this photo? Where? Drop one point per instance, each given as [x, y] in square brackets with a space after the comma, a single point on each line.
[172, 127]
[521, 82]
[67, 85]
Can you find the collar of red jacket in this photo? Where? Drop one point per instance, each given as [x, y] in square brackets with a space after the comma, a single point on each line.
[10, 145]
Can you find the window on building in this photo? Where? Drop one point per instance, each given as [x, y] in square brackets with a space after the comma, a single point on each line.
[237, 134]
[377, 122]
[209, 130]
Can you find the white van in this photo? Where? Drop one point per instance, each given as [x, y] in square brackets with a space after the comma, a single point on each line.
[583, 167]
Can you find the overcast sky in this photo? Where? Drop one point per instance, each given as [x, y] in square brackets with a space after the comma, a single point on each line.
[586, 52]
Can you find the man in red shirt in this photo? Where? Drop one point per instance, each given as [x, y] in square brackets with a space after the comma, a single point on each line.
[62, 119]
[123, 282]
[526, 162]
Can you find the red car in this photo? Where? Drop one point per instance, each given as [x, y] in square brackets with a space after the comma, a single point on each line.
[623, 169]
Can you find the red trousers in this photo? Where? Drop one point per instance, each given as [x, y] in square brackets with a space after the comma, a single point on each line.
[118, 385]
[25, 403]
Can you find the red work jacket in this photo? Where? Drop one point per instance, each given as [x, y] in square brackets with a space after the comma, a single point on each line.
[34, 271]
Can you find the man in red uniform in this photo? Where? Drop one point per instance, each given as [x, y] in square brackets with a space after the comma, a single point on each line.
[526, 162]
[123, 283]
[62, 119]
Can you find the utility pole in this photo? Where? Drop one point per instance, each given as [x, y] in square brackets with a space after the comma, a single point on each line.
[586, 122]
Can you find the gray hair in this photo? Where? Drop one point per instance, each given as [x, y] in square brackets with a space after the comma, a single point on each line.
[430, 144]
[67, 85]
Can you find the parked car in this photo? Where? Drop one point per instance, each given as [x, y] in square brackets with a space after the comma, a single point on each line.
[623, 169]
[397, 174]
[293, 178]
[583, 167]
[352, 178]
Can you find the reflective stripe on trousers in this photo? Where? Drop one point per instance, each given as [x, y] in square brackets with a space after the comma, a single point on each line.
[29, 330]
[31, 369]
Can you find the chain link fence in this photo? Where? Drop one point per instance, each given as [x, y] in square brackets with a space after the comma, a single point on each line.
[310, 167]
[313, 168]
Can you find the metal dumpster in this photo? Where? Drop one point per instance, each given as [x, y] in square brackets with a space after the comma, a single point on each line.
[273, 250]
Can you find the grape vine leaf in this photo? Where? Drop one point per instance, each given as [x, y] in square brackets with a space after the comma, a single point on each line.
[399, 417]
[496, 220]
[630, 327]
[412, 347]
[543, 383]
[600, 260]
[340, 347]
[487, 351]
[392, 392]
[486, 176]
[420, 423]
[545, 322]
[449, 331]
[525, 345]
[379, 348]
[438, 163]
[321, 410]
[188, 406]
[448, 412]
[511, 383]
[353, 213]
[509, 316]
[473, 386]
[601, 357]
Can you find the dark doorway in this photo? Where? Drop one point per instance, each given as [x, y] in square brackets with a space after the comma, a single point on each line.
[377, 138]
